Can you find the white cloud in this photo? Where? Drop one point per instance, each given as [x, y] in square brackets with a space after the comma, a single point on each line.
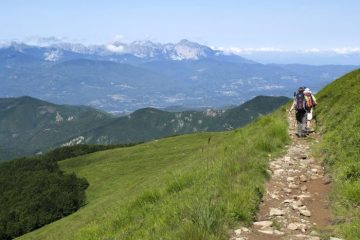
[347, 50]
[249, 51]
[118, 97]
[311, 50]
[114, 48]
[116, 45]
[238, 50]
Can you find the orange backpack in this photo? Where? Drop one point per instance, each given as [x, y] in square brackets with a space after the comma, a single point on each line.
[309, 100]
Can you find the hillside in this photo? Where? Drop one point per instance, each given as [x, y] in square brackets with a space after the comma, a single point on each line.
[149, 123]
[339, 120]
[186, 187]
[29, 125]
[199, 186]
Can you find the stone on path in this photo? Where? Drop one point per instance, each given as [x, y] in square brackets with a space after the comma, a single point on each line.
[271, 231]
[303, 178]
[303, 196]
[290, 179]
[326, 179]
[244, 229]
[305, 212]
[263, 223]
[278, 171]
[268, 230]
[293, 186]
[315, 170]
[314, 238]
[277, 232]
[292, 226]
[238, 232]
[276, 212]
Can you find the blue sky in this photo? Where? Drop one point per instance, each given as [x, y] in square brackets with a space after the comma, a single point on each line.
[290, 24]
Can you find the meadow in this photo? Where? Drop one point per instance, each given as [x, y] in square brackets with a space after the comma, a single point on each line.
[196, 186]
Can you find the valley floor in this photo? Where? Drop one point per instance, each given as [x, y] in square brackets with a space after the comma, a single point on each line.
[295, 205]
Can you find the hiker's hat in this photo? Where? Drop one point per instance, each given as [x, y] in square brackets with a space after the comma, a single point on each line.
[307, 90]
[301, 89]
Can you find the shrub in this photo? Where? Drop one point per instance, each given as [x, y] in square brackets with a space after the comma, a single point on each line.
[34, 192]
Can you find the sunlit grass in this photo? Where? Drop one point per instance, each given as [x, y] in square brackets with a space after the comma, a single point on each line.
[339, 120]
[195, 186]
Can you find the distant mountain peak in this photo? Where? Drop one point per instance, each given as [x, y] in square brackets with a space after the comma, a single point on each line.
[183, 50]
[144, 50]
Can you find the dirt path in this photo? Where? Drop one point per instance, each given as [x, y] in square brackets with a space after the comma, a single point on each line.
[295, 203]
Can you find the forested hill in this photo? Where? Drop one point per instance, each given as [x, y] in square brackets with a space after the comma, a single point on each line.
[30, 126]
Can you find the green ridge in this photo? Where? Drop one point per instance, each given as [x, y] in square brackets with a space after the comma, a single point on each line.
[338, 114]
[29, 125]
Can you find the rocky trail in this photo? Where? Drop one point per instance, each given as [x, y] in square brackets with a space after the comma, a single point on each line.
[295, 205]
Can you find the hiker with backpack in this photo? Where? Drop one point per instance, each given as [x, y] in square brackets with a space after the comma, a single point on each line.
[299, 105]
[310, 104]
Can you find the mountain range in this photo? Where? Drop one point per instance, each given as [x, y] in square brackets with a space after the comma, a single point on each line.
[29, 125]
[122, 78]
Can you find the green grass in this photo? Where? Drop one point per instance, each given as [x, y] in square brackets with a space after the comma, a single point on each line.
[338, 115]
[195, 186]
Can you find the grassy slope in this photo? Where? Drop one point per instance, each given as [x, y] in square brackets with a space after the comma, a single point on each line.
[185, 187]
[339, 118]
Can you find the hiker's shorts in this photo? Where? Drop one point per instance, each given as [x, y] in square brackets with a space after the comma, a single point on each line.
[309, 115]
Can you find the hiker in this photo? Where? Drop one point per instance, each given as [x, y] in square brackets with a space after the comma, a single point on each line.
[299, 105]
[310, 104]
